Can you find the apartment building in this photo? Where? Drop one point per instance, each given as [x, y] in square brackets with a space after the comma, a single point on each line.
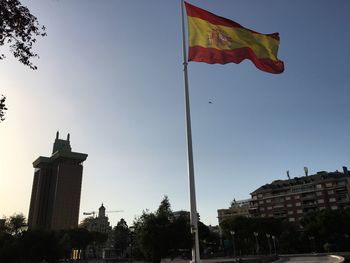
[291, 199]
[237, 208]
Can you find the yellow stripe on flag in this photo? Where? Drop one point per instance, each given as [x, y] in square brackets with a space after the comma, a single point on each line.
[203, 33]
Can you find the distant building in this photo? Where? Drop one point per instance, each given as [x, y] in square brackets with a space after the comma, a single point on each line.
[181, 213]
[237, 208]
[55, 198]
[100, 224]
[291, 199]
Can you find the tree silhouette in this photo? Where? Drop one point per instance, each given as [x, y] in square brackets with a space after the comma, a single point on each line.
[19, 29]
[121, 236]
[2, 107]
[16, 224]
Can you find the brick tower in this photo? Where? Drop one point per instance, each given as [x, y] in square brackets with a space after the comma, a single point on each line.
[56, 188]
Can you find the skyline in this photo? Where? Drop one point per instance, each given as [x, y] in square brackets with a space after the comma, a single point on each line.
[110, 74]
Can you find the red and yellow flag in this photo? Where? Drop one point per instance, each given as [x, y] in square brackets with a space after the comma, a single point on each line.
[214, 39]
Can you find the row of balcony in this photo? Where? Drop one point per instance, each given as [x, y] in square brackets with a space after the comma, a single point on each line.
[303, 189]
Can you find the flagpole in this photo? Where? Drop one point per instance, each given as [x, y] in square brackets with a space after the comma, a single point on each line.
[193, 212]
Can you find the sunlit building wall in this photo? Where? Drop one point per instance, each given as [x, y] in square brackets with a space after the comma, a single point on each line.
[291, 199]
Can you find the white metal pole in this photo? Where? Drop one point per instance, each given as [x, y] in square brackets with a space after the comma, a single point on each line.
[193, 212]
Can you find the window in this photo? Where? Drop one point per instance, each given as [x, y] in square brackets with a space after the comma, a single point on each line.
[334, 207]
[269, 208]
[299, 211]
[297, 197]
[262, 209]
[261, 202]
[287, 197]
[332, 199]
[268, 201]
[260, 195]
[330, 192]
[318, 193]
[263, 215]
[319, 186]
[320, 201]
[329, 184]
[298, 204]
[292, 219]
[290, 212]
[289, 205]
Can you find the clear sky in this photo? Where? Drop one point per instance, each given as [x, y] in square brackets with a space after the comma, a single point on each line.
[110, 74]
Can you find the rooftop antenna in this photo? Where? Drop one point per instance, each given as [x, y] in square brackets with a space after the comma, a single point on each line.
[68, 136]
[57, 134]
[306, 170]
[288, 174]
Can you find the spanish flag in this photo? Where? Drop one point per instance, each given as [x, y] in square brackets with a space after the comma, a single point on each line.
[214, 39]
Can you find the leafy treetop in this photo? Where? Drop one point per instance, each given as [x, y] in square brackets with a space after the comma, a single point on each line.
[19, 29]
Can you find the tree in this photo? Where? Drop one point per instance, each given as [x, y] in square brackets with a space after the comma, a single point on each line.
[160, 234]
[80, 238]
[7, 247]
[164, 209]
[86, 222]
[19, 30]
[244, 229]
[121, 236]
[181, 237]
[39, 246]
[152, 238]
[153, 232]
[328, 229]
[16, 224]
[2, 107]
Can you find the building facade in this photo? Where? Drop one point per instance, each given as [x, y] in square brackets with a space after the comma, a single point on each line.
[100, 224]
[291, 199]
[55, 198]
[237, 208]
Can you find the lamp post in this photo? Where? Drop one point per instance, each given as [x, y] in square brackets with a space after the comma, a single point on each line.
[274, 243]
[268, 242]
[233, 243]
[256, 241]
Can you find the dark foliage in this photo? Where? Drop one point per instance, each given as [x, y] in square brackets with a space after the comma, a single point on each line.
[39, 245]
[20, 245]
[122, 237]
[321, 231]
[2, 107]
[159, 235]
[19, 30]
[328, 230]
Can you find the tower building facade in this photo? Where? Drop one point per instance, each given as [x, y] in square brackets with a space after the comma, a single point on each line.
[55, 198]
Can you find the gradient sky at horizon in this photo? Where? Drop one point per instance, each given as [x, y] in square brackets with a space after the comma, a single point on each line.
[110, 74]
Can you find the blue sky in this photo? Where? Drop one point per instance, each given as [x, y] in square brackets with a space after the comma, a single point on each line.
[110, 74]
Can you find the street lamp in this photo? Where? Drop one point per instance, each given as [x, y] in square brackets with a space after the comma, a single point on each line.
[274, 243]
[233, 243]
[256, 241]
[268, 242]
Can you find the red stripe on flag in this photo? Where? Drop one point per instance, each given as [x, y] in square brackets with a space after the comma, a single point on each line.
[215, 56]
